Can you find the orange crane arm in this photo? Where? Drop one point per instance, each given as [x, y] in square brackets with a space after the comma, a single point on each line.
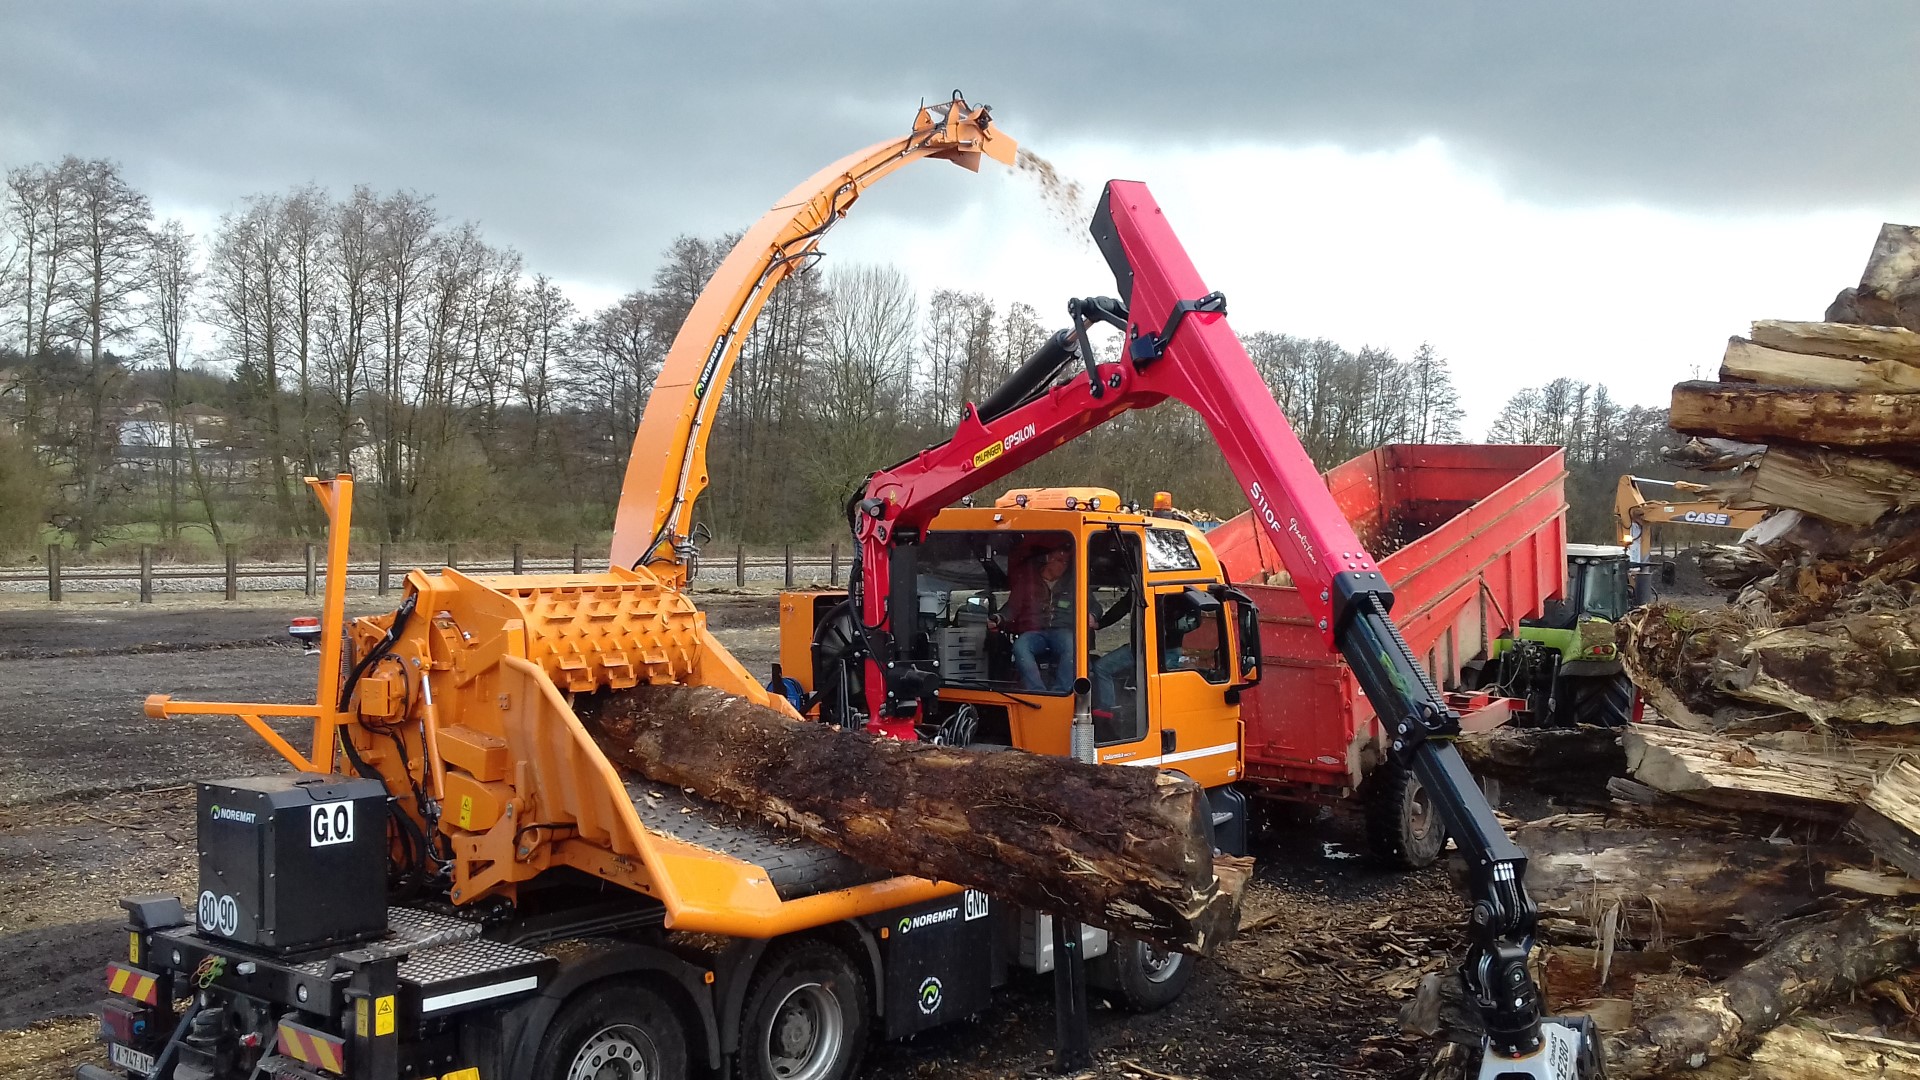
[668, 468]
[1632, 510]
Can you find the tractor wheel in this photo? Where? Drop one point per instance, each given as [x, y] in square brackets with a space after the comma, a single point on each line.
[1602, 701]
[1403, 826]
[614, 1031]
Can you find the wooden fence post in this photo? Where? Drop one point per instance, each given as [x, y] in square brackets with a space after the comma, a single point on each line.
[381, 581]
[833, 565]
[233, 571]
[739, 566]
[311, 575]
[451, 565]
[53, 573]
[146, 573]
[789, 565]
[518, 563]
[576, 556]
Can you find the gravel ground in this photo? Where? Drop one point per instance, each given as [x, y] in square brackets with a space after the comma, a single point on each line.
[95, 803]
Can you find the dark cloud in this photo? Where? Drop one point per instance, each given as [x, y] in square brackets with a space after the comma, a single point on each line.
[577, 131]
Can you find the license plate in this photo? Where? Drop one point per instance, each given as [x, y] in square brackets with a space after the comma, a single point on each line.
[128, 1058]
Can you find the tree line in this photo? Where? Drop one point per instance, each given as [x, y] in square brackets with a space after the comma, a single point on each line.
[172, 387]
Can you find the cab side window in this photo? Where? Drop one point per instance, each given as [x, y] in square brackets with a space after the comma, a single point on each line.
[1192, 638]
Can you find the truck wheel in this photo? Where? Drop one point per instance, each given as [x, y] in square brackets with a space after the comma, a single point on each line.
[1140, 977]
[1403, 828]
[805, 1016]
[1603, 702]
[615, 1031]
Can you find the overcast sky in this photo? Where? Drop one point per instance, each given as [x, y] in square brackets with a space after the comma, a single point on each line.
[1598, 190]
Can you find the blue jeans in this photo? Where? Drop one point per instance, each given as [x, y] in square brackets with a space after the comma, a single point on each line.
[1034, 645]
[1107, 673]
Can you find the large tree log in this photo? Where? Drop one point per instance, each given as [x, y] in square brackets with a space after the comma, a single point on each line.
[1888, 820]
[1794, 1052]
[1809, 966]
[1778, 367]
[1653, 885]
[1846, 489]
[1124, 849]
[1840, 339]
[1741, 775]
[1559, 761]
[1788, 414]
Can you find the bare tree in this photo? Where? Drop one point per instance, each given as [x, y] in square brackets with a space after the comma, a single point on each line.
[110, 220]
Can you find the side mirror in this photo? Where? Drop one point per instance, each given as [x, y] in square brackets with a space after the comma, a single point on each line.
[1246, 627]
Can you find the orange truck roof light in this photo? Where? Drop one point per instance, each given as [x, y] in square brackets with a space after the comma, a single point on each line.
[1163, 500]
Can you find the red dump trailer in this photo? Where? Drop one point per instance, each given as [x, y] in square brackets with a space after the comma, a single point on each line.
[1472, 538]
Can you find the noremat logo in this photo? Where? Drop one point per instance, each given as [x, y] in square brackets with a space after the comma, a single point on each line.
[916, 922]
[222, 813]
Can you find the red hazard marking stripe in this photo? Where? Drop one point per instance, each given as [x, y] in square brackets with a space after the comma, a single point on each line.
[313, 1048]
[131, 982]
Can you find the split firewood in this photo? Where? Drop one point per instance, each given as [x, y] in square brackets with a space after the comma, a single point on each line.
[1888, 820]
[1846, 489]
[1797, 1052]
[1128, 850]
[1789, 414]
[1839, 339]
[1742, 775]
[1749, 362]
[1813, 964]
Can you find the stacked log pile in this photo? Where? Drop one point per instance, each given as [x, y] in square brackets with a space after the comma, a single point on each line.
[1739, 890]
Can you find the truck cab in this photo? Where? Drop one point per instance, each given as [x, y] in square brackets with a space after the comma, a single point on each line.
[1020, 600]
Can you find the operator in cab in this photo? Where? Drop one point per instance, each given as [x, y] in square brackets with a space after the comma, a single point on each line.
[1040, 616]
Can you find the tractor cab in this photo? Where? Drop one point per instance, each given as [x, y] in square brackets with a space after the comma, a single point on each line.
[1020, 600]
[1597, 581]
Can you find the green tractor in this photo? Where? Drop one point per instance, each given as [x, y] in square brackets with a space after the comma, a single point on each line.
[1566, 664]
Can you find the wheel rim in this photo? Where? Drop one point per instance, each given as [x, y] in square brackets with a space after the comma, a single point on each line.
[617, 1052]
[804, 1039]
[1419, 814]
[1158, 964]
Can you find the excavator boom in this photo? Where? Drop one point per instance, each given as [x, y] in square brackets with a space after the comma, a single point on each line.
[1692, 504]
[667, 470]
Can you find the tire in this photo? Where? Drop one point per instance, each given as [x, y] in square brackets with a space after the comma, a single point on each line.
[1604, 701]
[1403, 828]
[805, 1017]
[1139, 977]
[614, 1031]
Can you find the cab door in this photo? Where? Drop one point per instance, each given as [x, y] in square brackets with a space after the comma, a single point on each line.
[1191, 673]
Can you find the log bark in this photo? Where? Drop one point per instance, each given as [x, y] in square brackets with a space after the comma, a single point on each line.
[1895, 343]
[1659, 885]
[1125, 849]
[1888, 820]
[1811, 965]
[1794, 1052]
[1739, 775]
[1746, 360]
[1789, 414]
[1563, 761]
